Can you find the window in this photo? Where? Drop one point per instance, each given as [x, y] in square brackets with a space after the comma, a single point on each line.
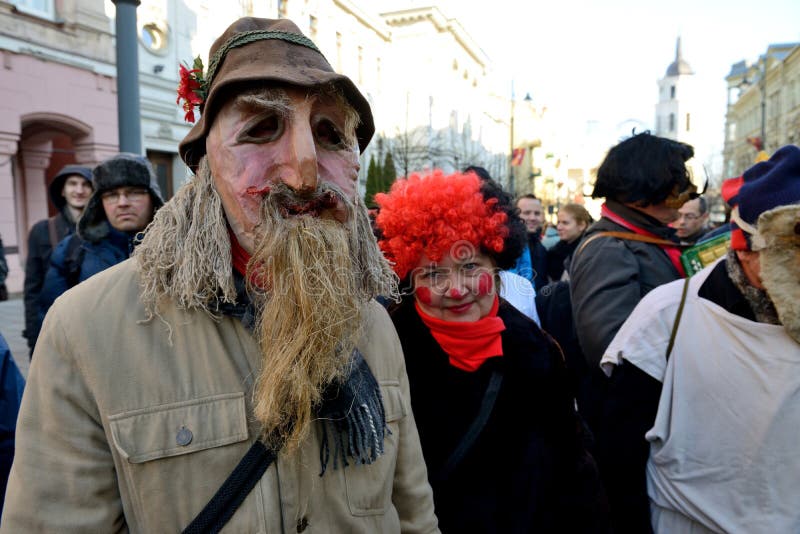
[672, 91]
[162, 165]
[671, 122]
[687, 122]
[338, 52]
[153, 37]
[312, 27]
[360, 65]
[39, 8]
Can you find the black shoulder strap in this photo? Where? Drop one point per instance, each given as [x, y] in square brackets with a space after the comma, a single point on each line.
[677, 318]
[73, 260]
[489, 398]
[52, 231]
[233, 491]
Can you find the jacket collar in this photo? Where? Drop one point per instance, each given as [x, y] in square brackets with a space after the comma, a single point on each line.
[642, 220]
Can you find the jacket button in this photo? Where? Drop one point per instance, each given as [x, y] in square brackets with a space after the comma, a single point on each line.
[184, 436]
[302, 524]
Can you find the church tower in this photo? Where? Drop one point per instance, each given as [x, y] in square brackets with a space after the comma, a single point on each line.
[677, 113]
[676, 93]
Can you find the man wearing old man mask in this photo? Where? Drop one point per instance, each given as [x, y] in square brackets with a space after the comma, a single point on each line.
[240, 339]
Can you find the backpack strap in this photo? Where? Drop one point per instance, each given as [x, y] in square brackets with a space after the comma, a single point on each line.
[73, 260]
[487, 404]
[628, 236]
[678, 317]
[219, 510]
[52, 230]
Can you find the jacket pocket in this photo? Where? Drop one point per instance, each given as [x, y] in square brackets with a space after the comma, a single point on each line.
[369, 487]
[173, 457]
[179, 428]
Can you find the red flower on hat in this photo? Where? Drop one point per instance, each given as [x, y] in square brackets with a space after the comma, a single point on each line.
[191, 88]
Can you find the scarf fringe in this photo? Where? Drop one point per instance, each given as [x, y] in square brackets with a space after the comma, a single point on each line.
[359, 430]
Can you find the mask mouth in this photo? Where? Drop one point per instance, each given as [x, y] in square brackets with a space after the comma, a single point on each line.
[290, 203]
[314, 207]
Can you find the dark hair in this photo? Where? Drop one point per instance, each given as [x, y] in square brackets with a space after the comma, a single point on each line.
[703, 205]
[514, 243]
[643, 169]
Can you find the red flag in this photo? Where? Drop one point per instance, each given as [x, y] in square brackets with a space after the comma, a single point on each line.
[517, 156]
[756, 142]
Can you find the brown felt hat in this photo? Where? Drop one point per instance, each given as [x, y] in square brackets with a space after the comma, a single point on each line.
[269, 51]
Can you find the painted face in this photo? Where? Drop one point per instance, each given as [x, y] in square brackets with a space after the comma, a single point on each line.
[76, 191]
[278, 135]
[689, 219]
[456, 290]
[568, 228]
[531, 212]
[128, 209]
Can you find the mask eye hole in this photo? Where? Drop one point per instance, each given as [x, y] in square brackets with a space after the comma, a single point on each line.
[328, 135]
[263, 129]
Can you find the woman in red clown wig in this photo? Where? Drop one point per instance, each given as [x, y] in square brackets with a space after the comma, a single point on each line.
[489, 390]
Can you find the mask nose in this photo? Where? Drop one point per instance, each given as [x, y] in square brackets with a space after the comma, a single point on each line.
[300, 158]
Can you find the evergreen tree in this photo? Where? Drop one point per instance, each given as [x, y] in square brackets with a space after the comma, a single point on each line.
[388, 173]
[374, 179]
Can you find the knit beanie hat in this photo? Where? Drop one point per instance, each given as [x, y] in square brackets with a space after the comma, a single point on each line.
[122, 170]
[763, 187]
[57, 185]
[266, 51]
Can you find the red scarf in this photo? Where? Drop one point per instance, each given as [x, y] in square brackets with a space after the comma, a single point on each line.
[241, 258]
[468, 344]
[239, 255]
[673, 251]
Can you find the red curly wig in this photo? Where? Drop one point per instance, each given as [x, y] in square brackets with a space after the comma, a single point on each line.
[433, 213]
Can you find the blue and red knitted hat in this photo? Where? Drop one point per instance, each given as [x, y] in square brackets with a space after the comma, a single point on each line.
[762, 187]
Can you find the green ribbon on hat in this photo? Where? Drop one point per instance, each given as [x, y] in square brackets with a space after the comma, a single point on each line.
[243, 38]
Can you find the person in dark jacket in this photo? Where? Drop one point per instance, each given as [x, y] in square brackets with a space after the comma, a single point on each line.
[532, 262]
[499, 432]
[69, 192]
[12, 384]
[644, 180]
[573, 220]
[123, 204]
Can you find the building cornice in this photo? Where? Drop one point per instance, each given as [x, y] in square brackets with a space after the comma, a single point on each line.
[370, 21]
[442, 24]
[22, 47]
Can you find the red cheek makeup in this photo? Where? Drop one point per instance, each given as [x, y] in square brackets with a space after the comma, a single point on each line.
[423, 295]
[485, 284]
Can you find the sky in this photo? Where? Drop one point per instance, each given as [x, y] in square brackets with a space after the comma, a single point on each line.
[600, 61]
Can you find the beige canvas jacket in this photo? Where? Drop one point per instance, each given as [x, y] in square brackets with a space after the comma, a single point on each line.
[98, 446]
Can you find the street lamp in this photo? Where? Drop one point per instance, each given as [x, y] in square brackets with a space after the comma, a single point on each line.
[511, 140]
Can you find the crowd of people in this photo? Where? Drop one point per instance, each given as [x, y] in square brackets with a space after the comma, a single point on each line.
[262, 354]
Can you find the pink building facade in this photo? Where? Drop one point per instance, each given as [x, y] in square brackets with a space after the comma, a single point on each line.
[52, 115]
[58, 105]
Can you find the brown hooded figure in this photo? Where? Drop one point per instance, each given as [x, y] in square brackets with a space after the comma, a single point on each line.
[243, 331]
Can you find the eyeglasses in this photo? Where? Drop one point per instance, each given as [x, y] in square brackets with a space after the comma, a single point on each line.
[132, 194]
[688, 216]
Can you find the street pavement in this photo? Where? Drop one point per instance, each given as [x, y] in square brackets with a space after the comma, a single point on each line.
[12, 323]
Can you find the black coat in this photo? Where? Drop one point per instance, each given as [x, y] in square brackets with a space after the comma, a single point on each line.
[558, 256]
[528, 471]
[36, 265]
